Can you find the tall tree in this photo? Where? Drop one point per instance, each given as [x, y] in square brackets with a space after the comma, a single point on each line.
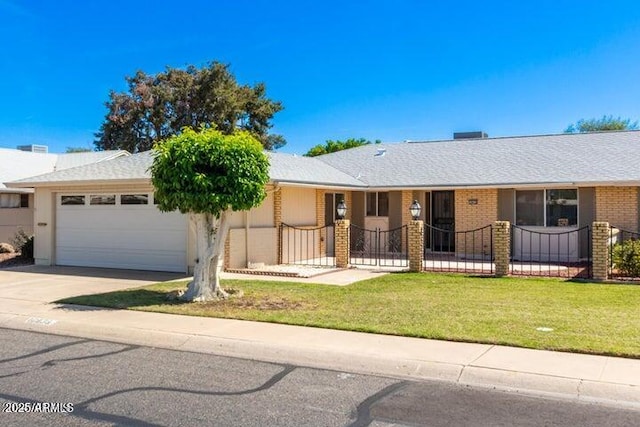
[158, 106]
[207, 175]
[604, 124]
[331, 146]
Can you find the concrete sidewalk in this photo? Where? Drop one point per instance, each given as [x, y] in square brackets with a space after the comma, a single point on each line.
[583, 377]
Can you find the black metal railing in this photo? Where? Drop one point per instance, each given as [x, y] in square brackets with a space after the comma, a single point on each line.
[393, 247]
[551, 253]
[624, 254]
[469, 251]
[307, 246]
[375, 247]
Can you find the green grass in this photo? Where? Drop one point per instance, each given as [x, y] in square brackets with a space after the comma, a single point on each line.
[585, 317]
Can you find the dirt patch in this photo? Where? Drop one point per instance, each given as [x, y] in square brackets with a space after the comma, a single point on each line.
[265, 303]
[13, 260]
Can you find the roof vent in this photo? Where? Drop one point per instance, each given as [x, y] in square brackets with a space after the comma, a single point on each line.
[381, 152]
[470, 135]
[34, 148]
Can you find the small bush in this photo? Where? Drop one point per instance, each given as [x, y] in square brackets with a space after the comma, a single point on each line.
[6, 248]
[23, 243]
[626, 257]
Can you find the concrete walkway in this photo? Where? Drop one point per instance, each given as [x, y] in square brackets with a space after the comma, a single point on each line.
[27, 292]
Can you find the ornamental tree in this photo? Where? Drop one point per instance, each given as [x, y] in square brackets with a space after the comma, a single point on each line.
[207, 175]
[157, 106]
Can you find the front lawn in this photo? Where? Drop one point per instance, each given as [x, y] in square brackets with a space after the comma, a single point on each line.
[585, 317]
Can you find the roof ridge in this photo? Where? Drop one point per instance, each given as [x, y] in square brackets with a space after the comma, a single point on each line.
[543, 135]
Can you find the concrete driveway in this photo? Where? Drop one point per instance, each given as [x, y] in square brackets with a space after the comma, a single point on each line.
[48, 284]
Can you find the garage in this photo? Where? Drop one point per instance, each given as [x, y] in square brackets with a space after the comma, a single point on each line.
[121, 230]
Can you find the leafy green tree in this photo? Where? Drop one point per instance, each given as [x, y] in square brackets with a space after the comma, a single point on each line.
[604, 124]
[332, 146]
[206, 175]
[158, 106]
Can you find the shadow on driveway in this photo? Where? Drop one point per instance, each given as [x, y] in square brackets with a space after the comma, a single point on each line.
[106, 273]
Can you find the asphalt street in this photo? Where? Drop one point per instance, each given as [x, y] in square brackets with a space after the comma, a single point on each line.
[118, 384]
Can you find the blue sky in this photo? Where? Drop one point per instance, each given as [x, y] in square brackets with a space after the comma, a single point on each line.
[401, 70]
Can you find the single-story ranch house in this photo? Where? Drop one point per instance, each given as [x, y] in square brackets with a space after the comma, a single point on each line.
[103, 214]
[16, 204]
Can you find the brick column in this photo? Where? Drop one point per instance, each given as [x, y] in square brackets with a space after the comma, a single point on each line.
[501, 247]
[600, 247]
[406, 201]
[416, 245]
[342, 243]
[277, 219]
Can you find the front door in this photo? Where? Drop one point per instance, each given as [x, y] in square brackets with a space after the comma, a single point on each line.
[442, 221]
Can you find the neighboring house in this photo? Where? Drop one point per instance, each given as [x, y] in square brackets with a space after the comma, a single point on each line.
[103, 214]
[16, 204]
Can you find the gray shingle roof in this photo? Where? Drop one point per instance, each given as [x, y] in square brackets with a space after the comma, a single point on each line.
[122, 168]
[565, 158]
[308, 170]
[284, 168]
[16, 164]
[607, 157]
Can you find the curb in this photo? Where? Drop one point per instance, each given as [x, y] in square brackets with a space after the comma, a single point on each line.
[367, 360]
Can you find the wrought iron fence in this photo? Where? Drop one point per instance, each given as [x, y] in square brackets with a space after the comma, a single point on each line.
[393, 247]
[624, 254]
[307, 246]
[377, 247]
[468, 251]
[551, 253]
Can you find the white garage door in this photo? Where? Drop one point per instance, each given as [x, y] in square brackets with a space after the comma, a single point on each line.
[119, 231]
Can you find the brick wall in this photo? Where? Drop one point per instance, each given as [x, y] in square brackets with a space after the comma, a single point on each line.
[618, 206]
[407, 199]
[475, 209]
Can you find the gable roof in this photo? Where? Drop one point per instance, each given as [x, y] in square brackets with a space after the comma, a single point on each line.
[16, 164]
[284, 168]
[605, 158]
[593, 158]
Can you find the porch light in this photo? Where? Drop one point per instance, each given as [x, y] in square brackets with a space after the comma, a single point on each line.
[341, 209]
[415, 210]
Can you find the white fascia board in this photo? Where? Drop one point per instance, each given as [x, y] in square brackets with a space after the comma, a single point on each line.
[144, 181]
[318, 185]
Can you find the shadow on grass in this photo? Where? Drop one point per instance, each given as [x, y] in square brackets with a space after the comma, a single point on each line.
[122, 299]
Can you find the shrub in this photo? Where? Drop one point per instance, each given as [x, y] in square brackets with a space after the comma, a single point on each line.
[23, 243]
[626, 257]
[6, 248]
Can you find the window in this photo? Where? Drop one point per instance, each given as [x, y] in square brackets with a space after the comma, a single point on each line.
[9, 200]
[551, 208]
[134, 199]
[104, 199]
[71, 200]
[562, 208]
[378, 204]
[24, 200]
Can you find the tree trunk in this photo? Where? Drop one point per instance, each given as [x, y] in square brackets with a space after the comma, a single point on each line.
[211, 233]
